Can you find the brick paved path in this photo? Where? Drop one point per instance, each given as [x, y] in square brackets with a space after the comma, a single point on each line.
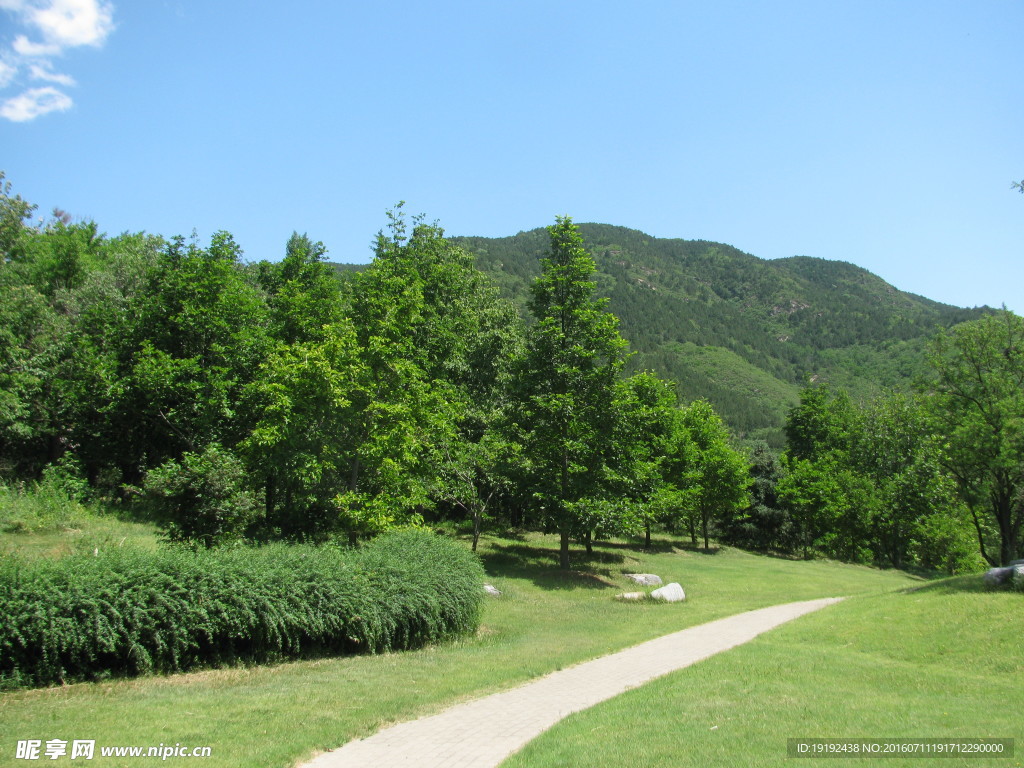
[482, 733]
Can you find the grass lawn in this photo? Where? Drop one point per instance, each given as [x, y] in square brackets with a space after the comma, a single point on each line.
[545, 620]
[44, 522]
[943, 661]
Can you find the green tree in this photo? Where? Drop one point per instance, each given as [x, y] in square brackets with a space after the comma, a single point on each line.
[978, 406]
[304, 295]
[14, 212]
[303, 445]
[764, 524]
[721, 474]
[568, 382]
[199, 338]
[830, 501]
[898, 451]
[830, 504]
[651, 472]
[204, 498]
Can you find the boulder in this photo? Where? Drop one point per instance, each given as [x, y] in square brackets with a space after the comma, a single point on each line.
[996, 576]
[670, 593]
[646, 579]
[1018, 576]
[491, 590]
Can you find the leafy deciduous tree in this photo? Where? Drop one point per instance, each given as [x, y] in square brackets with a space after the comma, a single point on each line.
[978, 403]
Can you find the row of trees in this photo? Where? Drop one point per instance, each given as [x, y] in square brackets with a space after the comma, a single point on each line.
[274, 400]
[934, 478]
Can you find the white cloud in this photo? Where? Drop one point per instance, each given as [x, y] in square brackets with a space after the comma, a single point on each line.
[7, 73]
[43, 72]
[35, 102]
[55, 26]
[69, 23]
[26, 47]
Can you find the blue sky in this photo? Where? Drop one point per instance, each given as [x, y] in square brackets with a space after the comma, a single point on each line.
[886, 134]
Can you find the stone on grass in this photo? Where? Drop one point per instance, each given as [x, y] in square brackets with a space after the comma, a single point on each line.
[491, 590]
[1018, 576]
[631, 596]
[646, 579]
[996, 576]
[670, 593]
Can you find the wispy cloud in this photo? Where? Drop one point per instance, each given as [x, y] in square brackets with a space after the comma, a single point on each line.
[42, 72]
[7, 73]
[33, 103]
[52, 27]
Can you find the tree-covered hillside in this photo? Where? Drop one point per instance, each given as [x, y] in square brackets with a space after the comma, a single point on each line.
[742, 331]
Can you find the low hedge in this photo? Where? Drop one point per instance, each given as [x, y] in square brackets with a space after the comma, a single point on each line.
[125, 612]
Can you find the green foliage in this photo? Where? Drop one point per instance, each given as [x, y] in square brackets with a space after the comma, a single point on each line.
[568, 379]
[978, 406]
[647, 439]
[720, 474]
[304, 296]
[124, 612]
[765, 524]
[203, 498]
[199, 339]
[868, 483]
[305, 439]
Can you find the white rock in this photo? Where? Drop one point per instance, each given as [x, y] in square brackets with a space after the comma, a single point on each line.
[490, 590]
[670, 593]
[647, 579]
[631, 596]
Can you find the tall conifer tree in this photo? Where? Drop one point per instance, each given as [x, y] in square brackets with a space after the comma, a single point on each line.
[573, 362]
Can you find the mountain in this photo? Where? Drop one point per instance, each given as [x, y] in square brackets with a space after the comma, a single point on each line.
[744, 332]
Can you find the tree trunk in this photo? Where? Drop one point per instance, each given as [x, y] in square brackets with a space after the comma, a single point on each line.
[981, 535]
[353, 538]
[563, 549]
[647, 534]
[476, 526]
[589, 541]
[704, 530]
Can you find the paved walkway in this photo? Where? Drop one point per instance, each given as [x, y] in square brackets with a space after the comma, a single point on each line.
[482, 733]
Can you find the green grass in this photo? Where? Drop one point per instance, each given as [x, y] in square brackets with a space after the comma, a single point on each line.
[545, 620]
[41, 521]
[944, 661]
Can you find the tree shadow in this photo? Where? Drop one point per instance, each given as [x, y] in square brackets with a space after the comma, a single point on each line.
[957, 585]
[540, 565]
[661, 547]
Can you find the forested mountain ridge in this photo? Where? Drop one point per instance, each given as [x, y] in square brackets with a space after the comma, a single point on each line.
[745, 332]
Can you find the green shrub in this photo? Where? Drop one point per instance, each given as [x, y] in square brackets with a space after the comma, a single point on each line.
[127, 612]
[203, 499]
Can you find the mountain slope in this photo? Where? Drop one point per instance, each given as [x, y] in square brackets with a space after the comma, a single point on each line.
[745, 332]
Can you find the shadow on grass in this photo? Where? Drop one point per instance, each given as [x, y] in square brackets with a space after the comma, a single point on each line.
[660, 547]
[540, 565]
[956, 585]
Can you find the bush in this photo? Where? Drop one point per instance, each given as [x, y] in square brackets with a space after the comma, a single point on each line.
[203, 499]
[127, 612]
